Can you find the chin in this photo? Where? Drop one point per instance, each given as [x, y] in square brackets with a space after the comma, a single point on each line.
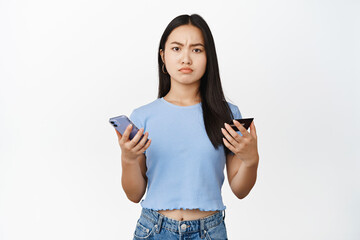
[190, 81]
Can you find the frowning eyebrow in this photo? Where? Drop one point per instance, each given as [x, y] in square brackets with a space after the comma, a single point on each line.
[192, 45]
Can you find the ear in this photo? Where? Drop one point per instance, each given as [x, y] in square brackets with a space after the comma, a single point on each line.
[162, 55]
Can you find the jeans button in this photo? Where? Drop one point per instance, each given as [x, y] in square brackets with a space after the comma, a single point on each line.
[183, 226]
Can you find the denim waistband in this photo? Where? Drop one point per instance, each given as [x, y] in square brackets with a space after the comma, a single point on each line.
[188, 226]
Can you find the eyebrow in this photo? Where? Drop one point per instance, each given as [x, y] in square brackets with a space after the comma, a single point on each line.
[192, 45]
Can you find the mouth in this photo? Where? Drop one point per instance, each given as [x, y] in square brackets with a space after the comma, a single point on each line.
[186, 70]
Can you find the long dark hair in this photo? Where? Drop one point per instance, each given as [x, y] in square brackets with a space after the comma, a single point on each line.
[215, 109]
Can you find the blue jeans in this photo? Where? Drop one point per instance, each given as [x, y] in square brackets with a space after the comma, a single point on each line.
[154, 225]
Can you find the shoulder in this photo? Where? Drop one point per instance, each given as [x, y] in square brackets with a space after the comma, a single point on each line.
[232, 106]
[146, 109]
[235, 110]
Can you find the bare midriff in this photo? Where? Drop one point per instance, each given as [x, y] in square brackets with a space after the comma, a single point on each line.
[187, 214]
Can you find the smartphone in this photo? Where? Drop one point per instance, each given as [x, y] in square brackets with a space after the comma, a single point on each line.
[244, 121]
[120, 123]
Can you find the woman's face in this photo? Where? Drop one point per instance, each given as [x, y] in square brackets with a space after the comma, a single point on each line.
[185, 48]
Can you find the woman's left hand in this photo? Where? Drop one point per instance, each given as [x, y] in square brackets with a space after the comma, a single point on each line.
[245, 146]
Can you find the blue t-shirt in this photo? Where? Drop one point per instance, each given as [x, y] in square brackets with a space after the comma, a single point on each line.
[184, 170]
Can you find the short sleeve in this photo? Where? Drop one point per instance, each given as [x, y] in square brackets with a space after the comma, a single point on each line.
[237, 113]
[136, 120]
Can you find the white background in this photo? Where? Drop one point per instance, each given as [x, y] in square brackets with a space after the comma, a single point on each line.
[68, 66]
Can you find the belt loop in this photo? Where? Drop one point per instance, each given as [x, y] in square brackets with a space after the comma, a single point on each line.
[224, 216]
[202, 228]
[158, 226]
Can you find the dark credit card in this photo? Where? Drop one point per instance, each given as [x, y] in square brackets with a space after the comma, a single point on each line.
[244, 121]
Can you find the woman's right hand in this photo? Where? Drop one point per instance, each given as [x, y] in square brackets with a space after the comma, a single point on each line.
[131, 149]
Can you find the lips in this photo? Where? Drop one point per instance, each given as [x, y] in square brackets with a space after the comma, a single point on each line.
[185, 70]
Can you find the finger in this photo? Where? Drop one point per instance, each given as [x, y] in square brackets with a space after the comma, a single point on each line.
[126, 133]
[229, 137]
[232, 132]
[146, 146]
[136, 138]
[142, 142]
[253, 129]
[228, 145]
[240, 127]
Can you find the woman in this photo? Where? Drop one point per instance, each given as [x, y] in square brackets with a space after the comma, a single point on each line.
[182, 164]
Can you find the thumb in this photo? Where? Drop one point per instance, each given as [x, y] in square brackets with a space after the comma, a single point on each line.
[253, 129]
[118, 134]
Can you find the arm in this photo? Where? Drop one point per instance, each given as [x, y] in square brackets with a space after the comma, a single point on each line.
[242, 166]
[133, 179]
[133, 162]
[241, 177]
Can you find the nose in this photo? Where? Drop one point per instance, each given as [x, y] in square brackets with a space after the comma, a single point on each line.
[185, 58]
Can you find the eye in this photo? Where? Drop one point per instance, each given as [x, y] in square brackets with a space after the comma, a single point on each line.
[175, 47]
[198, 49]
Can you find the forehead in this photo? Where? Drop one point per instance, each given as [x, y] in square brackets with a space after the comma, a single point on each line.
[186, 34]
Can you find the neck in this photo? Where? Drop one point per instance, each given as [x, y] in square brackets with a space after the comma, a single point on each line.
[184, 94]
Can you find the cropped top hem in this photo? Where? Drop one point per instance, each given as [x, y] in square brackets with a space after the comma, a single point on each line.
[185, 208]
[209, 206]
